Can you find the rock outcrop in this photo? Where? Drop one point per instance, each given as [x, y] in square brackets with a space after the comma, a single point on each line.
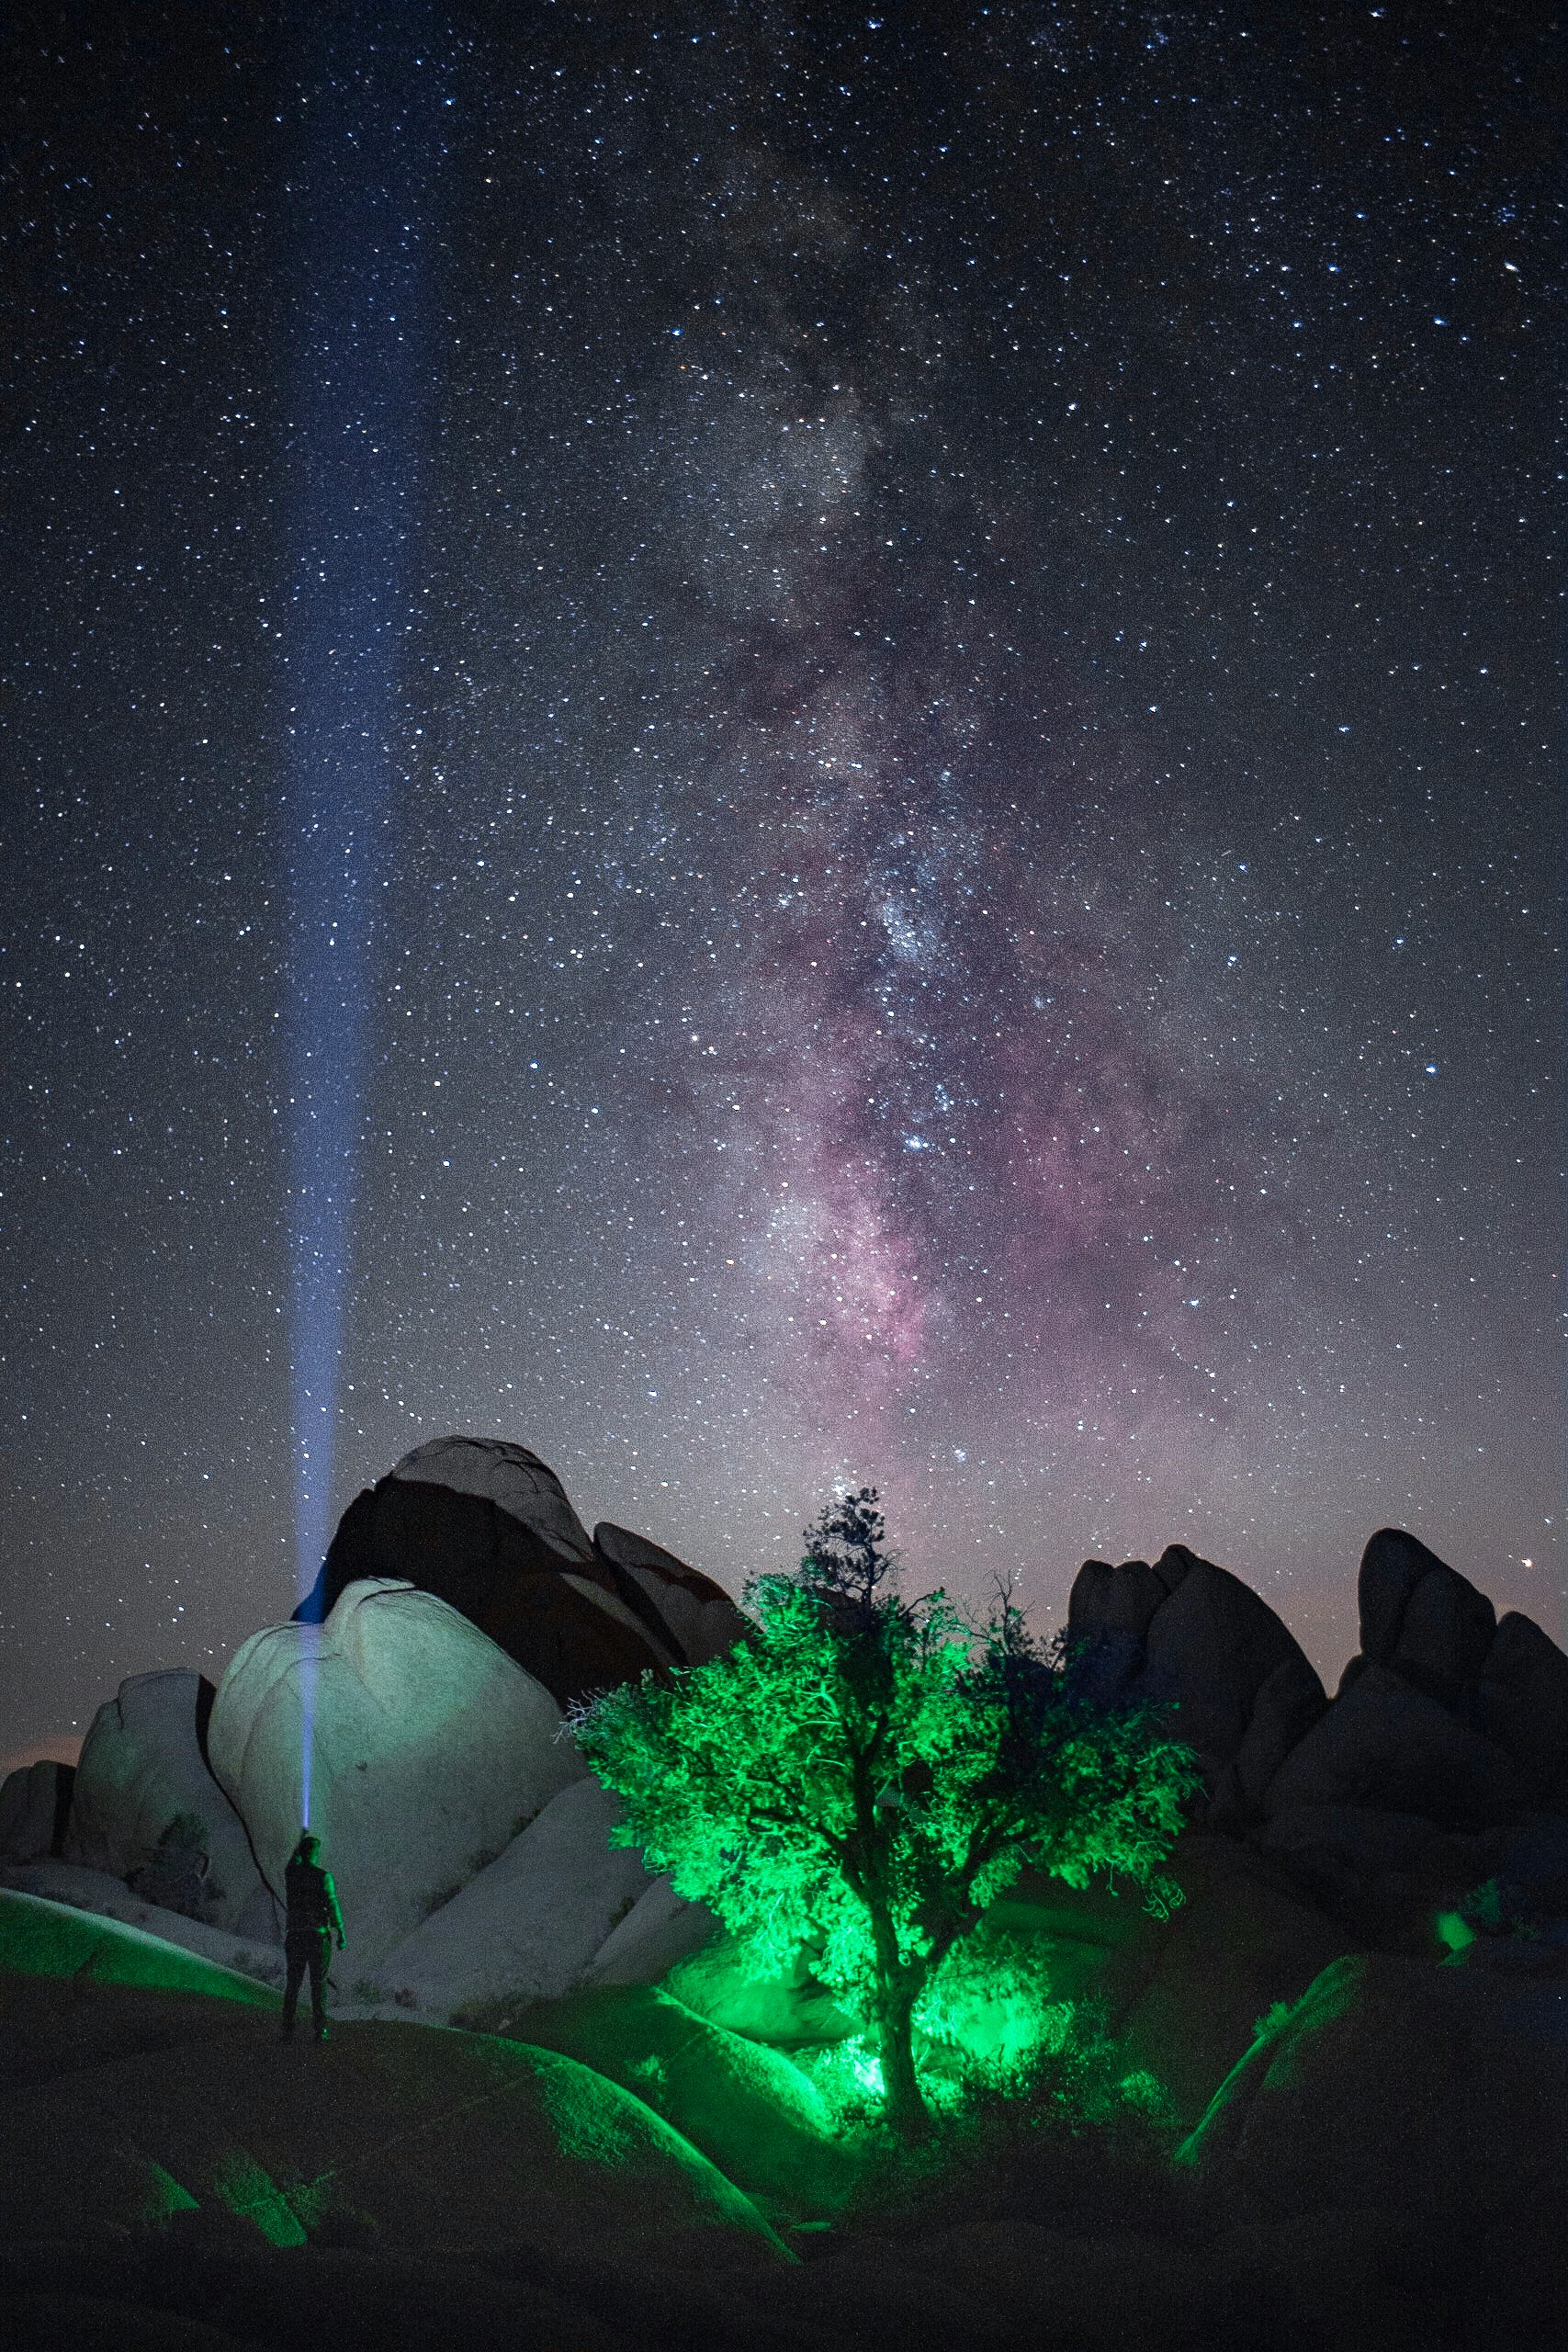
[527, 1927]
[661, 1930]
[1420, 1618]
[696, 1618]
[488, 1527]
[1192, 1634]
[69, 1935]
[106, 1897]
[1445, 1715]
[144, 1794]
[1520, 1703]
[35, 1804]
[1431, 2090]
[471, 1850]
[1384, 1743]
[430, 1749]
[1387, 1806]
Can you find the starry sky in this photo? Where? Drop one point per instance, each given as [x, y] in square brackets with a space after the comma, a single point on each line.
[767, 744]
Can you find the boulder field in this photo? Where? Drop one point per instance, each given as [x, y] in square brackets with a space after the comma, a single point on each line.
[144, 2085]
[461, 1608]
[463, 1605]
[616, 2175]
[1358, 2015]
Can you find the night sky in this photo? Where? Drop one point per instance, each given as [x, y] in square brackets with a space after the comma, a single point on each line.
[765, 744]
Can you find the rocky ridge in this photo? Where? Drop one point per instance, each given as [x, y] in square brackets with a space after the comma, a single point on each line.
[1355, 2013]
[463, 1604]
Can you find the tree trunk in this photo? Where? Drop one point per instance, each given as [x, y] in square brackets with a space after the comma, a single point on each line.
[907, 2110]
[896, 1984]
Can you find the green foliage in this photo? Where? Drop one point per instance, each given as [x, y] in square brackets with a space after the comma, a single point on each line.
[861, 1776]
[987, 2019]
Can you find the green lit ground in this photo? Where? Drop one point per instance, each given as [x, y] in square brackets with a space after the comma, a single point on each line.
[169, 2176]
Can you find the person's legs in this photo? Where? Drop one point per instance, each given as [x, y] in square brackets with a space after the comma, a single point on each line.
[296, 1959]
[320, 1950]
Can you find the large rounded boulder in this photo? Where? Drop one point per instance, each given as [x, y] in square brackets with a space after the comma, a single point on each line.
[1420, 1618]
[145, 1806]
[487, 1527]
[35, 1804]
[1392, 2082]
[696, 1617]
[750, 2109]
[516, 1481]
[1386, 1744]
[1194, 1636]
[529, 1926]
[428, 1748]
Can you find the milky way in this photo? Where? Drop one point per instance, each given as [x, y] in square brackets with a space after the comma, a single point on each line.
[956, 812]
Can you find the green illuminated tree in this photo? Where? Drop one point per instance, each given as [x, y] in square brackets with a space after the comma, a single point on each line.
[861, 1777]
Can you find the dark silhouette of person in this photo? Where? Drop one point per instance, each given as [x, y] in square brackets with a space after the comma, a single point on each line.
[314, 1920]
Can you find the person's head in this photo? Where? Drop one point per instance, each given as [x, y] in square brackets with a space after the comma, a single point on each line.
[310, 1846]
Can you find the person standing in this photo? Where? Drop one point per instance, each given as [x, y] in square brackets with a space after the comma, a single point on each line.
[314, 1920]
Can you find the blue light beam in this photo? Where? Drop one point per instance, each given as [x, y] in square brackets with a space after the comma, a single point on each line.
[358, 382]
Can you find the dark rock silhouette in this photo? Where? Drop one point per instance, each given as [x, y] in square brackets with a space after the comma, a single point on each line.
[690, 1610]
[576, 1615]
[1108, 1600]
[1384, 1743]
[1443, 1712]
[1398, 1805]
[1521, 1702]
[1420, 1618]
[1194, 1635]
[1287, 1702]
[35, 1804]
[1391, 2083]
[1445, 1715]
